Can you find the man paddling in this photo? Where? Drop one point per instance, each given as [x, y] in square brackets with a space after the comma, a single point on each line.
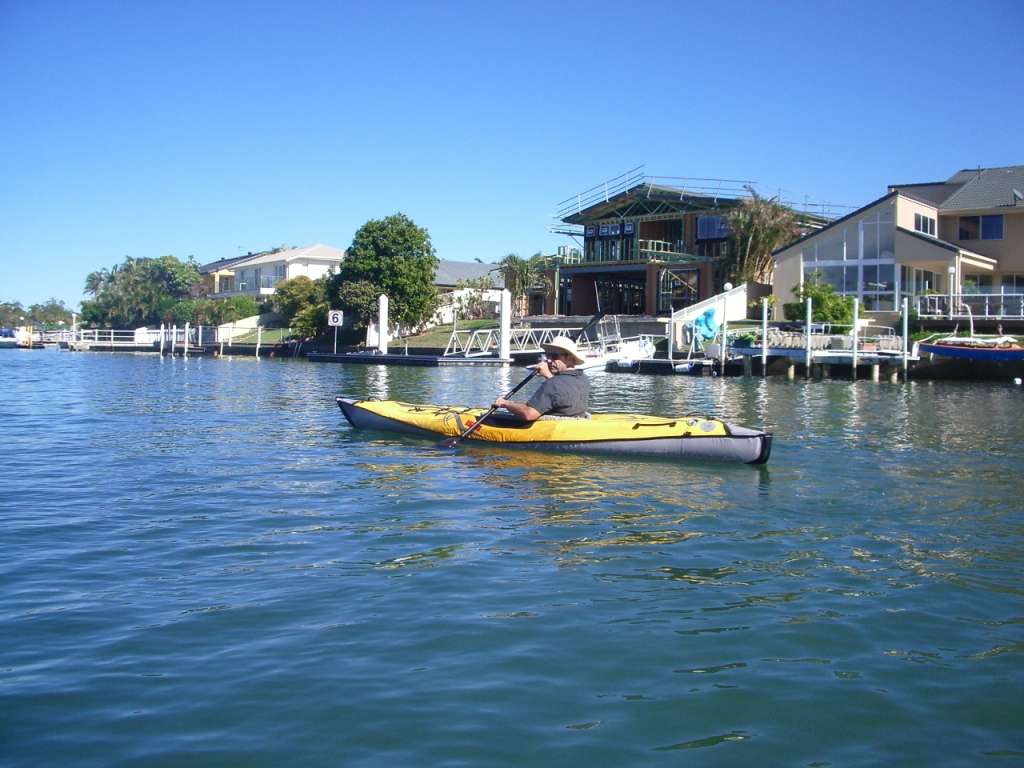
[565, 392]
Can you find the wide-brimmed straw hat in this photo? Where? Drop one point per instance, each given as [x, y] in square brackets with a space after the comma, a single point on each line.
[563, 344]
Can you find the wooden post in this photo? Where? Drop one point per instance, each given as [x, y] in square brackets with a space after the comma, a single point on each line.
[174, 337]
[790, 369]
[748, 365]
[161, 339]
[874, 372]
[184, 348]
[259, 338]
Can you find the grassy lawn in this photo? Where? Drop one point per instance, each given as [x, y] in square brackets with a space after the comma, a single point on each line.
[439, 335]
[270, 336]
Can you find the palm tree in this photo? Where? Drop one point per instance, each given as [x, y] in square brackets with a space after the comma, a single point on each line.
[95, 282]
[761, 226]
[520, 276]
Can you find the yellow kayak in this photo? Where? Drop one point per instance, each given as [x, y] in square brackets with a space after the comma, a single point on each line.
[680, 437]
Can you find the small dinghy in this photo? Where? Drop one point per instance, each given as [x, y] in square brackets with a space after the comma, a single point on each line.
[679, 437]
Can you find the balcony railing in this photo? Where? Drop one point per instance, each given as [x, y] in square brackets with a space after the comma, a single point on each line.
[994, 306]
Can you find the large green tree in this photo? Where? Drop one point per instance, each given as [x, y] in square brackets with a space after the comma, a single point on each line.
[11, 313]
[139, 292]
[392, 256]
[51, 312]
[293, 296]
[760, 226]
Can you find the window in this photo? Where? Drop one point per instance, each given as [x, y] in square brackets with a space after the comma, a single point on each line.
[712, 227]
[831, 249]
[1013, 283]
[992, 227]
[924, 224]
[977, 284]
[981, 227]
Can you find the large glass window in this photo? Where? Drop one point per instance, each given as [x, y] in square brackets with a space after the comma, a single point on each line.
[831, 249]
[1013, 283]
[870, 250]
[712, 227]
[977, 283]
[859, 261]
[992, 227]
[970, 228]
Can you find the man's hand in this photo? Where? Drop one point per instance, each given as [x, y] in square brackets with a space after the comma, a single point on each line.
[546, 369]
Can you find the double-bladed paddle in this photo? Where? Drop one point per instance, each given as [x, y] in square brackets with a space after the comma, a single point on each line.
[451, 442]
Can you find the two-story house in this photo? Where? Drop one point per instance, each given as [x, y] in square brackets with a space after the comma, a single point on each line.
[651, 245]
[954, 248]
[257, 274]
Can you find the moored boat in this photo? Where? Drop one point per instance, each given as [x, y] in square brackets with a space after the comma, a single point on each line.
[991, 358]
[680, 437]
[1001, 349]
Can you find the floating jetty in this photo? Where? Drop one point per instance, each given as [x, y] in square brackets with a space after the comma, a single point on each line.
[378, 358]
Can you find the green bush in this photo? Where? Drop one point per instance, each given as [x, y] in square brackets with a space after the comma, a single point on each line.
[826, 305]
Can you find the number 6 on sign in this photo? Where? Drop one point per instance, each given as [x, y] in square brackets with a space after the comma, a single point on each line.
[335, 317]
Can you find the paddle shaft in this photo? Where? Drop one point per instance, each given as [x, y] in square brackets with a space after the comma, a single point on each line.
[452, 442]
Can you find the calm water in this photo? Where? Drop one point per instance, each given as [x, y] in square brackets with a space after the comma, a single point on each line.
[203, 565]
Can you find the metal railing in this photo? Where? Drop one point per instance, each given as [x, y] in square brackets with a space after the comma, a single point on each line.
[486, 341]
[171, 338]
[960, 305]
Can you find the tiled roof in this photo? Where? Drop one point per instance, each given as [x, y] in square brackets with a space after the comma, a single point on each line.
[316, 251]
[449, 273]
[987, 188]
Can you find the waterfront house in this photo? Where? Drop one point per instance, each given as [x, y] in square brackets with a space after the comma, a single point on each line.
[257, 274]
[954, 248]
[649, 248]
[453, 299]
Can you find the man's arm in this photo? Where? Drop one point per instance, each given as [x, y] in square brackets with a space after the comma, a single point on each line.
[522, 410]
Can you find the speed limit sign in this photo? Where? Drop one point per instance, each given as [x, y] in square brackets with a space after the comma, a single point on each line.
[335, 317]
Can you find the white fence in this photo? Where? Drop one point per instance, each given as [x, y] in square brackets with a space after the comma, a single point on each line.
[171, 339]
[993, 306]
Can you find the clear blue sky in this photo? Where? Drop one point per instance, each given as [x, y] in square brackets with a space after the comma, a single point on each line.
[205, 128]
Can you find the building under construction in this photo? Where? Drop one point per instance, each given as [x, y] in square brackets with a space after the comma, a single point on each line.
[650, 245]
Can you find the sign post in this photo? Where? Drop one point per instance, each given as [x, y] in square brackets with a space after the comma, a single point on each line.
[335, 318]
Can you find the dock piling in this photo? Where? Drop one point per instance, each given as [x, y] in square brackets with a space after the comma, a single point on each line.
[906, 335]
[856, 337]
[764, 336]
[807, 341]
